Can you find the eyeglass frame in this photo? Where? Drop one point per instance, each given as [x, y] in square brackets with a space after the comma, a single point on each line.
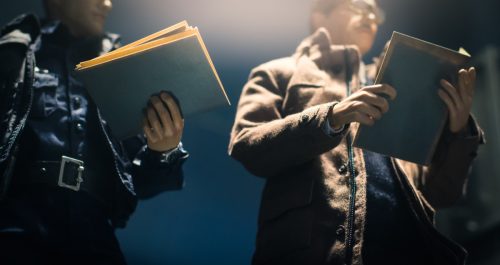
[361, 7]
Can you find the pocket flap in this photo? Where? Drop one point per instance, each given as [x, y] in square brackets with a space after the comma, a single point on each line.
[45, 79]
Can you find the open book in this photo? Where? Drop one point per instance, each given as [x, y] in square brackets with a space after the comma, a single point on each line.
[174, 59]
[412, 127]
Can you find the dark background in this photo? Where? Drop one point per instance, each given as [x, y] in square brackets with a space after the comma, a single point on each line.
[213, 220]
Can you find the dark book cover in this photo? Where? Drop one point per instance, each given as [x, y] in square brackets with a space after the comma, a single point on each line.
[412, 127]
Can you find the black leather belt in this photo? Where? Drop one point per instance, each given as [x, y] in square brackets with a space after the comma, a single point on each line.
[69, 173]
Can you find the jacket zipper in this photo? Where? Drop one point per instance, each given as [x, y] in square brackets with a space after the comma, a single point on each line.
[352, 171]
[352, 202]
[103, 129]
[110, 144]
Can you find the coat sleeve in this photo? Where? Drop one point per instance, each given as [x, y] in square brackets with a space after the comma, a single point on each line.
[443, 183]
[264, 140]
[154, 172]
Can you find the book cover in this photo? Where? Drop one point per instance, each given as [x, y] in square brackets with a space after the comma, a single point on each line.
[175, 59]
[412, 127]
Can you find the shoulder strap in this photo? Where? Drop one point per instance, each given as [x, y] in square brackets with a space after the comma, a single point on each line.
[26, 24]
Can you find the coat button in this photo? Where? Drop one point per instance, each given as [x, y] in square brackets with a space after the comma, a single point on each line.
[77, 102]
[343, 169]
[304, 118]
[340, 232]
[79, 128]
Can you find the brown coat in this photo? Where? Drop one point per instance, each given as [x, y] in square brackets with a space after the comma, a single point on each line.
[278, 134]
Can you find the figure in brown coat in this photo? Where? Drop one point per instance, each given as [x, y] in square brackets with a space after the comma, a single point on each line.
[324, 201]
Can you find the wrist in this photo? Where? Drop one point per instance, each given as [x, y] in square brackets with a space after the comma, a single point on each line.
[167, 157]
[333, 120]
[163, 150]
[463, 130]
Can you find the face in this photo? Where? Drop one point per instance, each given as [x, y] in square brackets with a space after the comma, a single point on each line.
[84, 18]
[351, 23]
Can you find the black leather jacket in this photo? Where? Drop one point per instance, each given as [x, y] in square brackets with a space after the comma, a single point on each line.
[25, 101]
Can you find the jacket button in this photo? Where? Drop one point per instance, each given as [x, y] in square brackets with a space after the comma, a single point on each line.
[79, 128]
[340, 232]
[77, 102]
[343, 169]
[304, 118]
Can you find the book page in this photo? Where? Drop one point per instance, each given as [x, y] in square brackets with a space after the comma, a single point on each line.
[172, 30]
[137, 49]
[464, 52]
[162, 34]
[211, 64]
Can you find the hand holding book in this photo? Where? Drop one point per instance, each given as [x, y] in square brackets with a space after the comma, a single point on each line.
[413, 126]
[163, 123]
[369, 104]
[458, 98]
[364, 106]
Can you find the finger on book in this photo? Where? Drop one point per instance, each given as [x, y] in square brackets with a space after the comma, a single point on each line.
[148, 131]
[154, 122]
[452, 93]
[383, 89]
[174, 110]
[164, 116]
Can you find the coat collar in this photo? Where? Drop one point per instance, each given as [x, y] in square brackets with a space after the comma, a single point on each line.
[319, 63]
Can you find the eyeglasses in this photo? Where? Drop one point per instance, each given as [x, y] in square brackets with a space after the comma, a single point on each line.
[364, 8]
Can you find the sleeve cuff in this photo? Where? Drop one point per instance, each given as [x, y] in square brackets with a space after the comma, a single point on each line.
[332, 131]
[168, 156]
[470, 132]
[329, 130]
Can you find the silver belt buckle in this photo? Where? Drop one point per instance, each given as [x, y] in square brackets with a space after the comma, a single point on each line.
[80, 169]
